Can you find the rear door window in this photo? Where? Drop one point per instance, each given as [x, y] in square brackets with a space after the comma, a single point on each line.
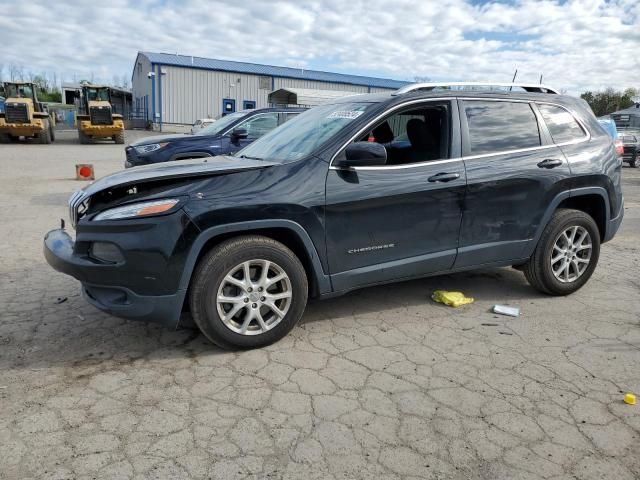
[561, 124]
[496, 127]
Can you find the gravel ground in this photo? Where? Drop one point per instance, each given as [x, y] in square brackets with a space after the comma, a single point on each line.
[381, 383]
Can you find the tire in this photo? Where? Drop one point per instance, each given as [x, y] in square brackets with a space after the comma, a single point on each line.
[227, 260]
[119, 138]
[52, 132]
[553, 279]
[44, 135]
[634, 161]
[83, 138]
[5, 138]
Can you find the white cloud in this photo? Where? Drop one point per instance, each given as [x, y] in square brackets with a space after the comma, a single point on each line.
[576, 45]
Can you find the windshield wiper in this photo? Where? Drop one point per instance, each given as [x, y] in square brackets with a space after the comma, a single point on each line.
[251, 158]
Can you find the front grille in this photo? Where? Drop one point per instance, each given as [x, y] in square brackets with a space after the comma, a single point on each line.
[78, 206]
[16, 113]
[100, 115]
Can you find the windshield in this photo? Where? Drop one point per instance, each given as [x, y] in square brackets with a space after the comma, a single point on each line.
[18, 91]
[301, 136]
[97, 95]
[220, 125]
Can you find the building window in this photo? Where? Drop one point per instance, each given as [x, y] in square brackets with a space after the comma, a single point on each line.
[139, 68]
[228, 106]
[248, 104]
[265, 83]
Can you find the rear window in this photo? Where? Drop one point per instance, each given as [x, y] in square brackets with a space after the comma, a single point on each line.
[500, 126]
[561, 124]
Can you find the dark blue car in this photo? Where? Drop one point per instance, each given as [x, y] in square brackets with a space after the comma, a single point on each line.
[223, 137]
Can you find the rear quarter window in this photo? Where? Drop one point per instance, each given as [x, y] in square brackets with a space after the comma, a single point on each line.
[561, 124]
[496, 127]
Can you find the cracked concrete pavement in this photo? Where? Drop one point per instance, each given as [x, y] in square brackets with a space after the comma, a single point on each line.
[381, 383]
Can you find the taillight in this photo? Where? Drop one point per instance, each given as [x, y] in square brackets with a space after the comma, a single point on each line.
[619, 147]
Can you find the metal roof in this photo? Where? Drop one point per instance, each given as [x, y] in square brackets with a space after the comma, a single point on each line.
[632, 110]
[270, 70]
[305, 96]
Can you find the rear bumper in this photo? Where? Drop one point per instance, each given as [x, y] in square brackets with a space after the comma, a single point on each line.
[614, 224]
[101, 288]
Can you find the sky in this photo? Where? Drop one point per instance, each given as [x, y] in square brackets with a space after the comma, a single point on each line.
[575, 45]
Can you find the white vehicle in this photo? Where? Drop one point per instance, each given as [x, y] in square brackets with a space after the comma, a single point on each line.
[201, 123]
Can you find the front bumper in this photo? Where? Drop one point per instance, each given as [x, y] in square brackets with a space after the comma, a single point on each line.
[138, 288]
[21, 129]
[134, 159]
[102, 131]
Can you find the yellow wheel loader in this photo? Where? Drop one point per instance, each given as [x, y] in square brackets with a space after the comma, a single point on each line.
[96, 119]
[24, 115]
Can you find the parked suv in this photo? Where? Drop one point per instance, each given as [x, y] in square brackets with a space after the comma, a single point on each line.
[222, 137]
[367, 190]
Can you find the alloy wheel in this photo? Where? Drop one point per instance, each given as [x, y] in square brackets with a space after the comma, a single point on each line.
[254, 297]
[571, 254]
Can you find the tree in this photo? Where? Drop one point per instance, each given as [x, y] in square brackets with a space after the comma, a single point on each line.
[610, 100]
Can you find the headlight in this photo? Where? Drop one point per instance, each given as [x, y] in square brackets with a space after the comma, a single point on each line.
[152, 147]
[141, 209]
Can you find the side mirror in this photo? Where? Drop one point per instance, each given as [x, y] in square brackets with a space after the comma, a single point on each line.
[361, 154]
[238, 133]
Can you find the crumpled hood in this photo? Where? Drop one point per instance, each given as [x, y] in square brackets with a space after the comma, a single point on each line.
[197, 167]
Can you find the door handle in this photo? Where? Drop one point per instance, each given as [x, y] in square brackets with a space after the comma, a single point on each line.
[550, 163]
[444, 177]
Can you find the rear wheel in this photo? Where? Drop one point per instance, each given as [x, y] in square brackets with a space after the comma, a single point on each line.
[634, 161]
[52, 132]
[566, 255]
[84, 138]
[44, 135]
[5, 138]
[248, 292]
[119, 138]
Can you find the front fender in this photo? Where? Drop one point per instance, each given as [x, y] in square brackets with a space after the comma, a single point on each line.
[322, 280]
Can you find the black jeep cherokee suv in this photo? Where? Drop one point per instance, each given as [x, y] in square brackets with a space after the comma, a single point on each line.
[367, 190]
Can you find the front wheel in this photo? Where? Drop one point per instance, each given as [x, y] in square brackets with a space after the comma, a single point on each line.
[44, 135]
[248, 292]
[119, 138]
[634, 161]
[566, 255]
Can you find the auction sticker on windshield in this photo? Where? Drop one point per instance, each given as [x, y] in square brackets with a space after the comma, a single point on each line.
[350, 114]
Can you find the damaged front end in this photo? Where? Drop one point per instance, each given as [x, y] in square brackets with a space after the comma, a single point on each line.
[133, 238]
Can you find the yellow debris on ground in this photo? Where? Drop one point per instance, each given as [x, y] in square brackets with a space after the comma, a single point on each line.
[453, 299]
[630, 398]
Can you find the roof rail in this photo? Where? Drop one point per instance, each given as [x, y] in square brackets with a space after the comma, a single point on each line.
[474, 86]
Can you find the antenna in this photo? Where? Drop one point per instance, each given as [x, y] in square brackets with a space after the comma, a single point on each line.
[515, 74]
[540, 79]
